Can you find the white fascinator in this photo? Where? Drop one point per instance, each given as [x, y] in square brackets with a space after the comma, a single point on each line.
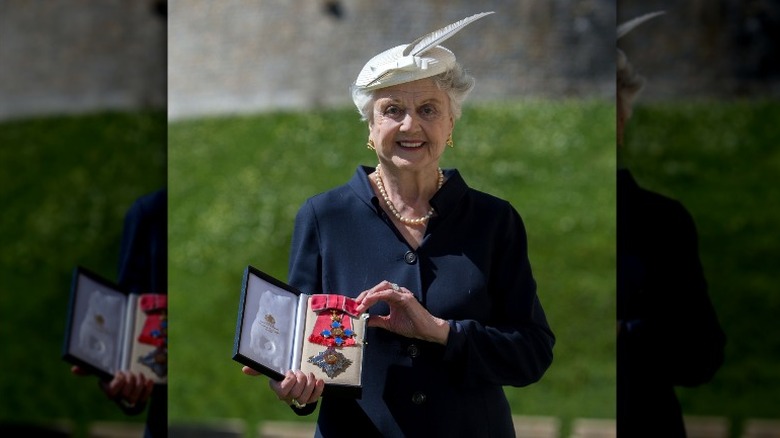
[629, 83]
[629, 25]
[420, 59]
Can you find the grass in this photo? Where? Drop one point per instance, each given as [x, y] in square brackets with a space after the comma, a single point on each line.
[236, 184]
[65, 186]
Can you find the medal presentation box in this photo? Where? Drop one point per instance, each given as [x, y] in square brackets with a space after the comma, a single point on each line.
[280, 328]
[110, 330]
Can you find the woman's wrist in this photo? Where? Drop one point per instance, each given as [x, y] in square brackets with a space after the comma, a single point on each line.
[440, 332]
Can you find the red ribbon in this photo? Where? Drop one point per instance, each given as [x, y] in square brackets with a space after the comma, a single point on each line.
[332, 308]
[322, 302]
[155, 329]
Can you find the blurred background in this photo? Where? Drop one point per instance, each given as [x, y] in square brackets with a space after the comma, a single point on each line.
[261, 118]
[82, 135]
[235, 56]
[705, 132]
[257, 117]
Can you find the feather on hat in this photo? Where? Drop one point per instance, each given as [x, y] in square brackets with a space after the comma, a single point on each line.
[629, 83]
[629, 25]
[420, 59]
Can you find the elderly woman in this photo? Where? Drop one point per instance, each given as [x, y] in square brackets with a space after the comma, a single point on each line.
[441, 268]
[668, 332]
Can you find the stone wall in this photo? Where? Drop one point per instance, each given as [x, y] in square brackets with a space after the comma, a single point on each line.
[227, 56]
[232, 56]
[81, 55]
[248, 55]
[705, 48]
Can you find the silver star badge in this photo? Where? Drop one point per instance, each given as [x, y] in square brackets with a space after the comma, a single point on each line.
[331, 361]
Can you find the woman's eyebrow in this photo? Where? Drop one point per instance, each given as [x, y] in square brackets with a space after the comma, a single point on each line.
[389, 99]
[431, 100]
[396, 100]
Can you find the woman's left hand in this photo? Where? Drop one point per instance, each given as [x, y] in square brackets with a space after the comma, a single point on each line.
[407, 316]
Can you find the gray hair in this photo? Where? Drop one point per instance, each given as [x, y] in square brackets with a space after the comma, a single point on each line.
[456, 82]
[629, 82]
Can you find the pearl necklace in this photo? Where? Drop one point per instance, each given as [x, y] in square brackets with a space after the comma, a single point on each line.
[406, 220]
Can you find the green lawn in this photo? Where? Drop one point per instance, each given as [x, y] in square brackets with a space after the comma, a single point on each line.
[65, 186]
[236, 184]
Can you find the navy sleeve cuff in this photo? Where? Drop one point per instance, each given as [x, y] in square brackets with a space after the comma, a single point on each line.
[455, 341]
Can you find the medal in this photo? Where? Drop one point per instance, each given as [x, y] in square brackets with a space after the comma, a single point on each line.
[334, 330]
[335, 333]
[331, 361]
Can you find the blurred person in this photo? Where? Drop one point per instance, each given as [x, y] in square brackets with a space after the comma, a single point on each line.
[441, 268]
[667, 331]
[142, 269]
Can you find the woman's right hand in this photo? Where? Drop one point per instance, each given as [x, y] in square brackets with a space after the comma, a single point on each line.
[129, 388]
[297, 388]
[126, 387]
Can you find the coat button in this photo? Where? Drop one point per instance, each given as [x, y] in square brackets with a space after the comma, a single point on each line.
[418, 398]
[410, 257]
[413, 351]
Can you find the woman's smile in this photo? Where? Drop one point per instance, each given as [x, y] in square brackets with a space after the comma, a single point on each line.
[410, 144]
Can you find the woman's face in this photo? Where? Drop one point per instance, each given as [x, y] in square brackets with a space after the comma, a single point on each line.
[410, 124]
[623, 114]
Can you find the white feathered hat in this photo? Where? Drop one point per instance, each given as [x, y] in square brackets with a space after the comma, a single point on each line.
[629, 83]
[420, 59]
[630, 25]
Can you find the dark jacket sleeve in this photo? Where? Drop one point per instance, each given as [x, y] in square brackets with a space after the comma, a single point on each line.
[304, 266]
[515, 346]
[143, 255]
[678, 335]
[143, 267]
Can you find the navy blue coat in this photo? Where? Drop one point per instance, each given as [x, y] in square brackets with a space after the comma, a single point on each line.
[143, 268]
[669, 333]
[471, 269]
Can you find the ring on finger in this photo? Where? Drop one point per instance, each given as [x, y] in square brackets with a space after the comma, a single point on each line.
[297, 404]
[395, 287]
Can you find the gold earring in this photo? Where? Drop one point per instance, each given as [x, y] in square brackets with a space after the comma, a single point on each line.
[370, 145]
[450, 143]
